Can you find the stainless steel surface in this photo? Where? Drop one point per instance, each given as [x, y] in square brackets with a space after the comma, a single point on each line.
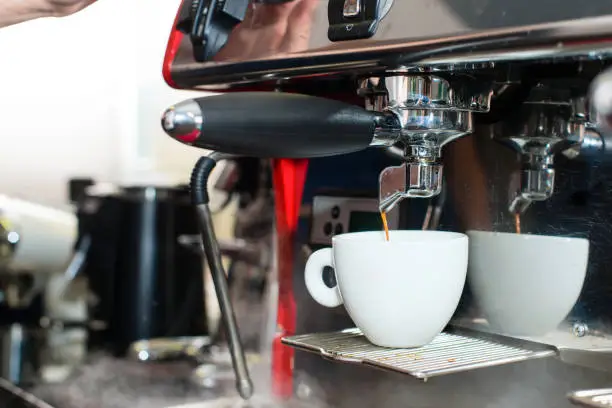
[213, 257]
[385, 7]
[411, 179]
[600, 96]
[351, 8]
[106, 382]
[593, 145]
[257, 402]
[446, 354]
[183, 119]
[601, 398]
[456, 34]
[18, 398]
[168, 348]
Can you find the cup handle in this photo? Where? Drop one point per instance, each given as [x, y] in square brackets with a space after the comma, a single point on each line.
[313, 274]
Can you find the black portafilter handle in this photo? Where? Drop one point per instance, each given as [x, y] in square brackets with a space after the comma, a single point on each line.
[271, 125]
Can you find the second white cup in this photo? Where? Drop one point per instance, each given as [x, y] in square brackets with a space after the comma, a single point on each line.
[526, 284]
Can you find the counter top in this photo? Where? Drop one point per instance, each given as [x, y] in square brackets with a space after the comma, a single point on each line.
[108, 382]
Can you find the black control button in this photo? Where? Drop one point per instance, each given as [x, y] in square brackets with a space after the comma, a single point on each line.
[339, 229]
[327, 228]
[335, 212]
[352, 20]
[352, 31]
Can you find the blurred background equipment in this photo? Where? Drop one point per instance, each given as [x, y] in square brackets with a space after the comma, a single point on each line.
[144, 283]
[36, 243]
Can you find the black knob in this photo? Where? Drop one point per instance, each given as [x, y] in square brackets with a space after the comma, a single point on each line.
[271, 124]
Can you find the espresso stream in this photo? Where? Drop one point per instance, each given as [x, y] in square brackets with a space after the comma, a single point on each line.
[517, 223]
[383, 215]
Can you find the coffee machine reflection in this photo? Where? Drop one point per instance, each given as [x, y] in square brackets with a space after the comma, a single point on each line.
[548, 122]
[226, 31]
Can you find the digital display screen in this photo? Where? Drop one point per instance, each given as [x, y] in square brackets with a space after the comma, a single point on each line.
[365, 221]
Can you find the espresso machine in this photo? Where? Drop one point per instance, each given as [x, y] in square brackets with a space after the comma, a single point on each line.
[449, 115]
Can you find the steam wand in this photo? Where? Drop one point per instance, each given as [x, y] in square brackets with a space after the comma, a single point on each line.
[200, 199]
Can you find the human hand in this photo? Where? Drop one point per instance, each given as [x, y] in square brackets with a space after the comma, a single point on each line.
[18, 11]
[66, 7]
[269, 29]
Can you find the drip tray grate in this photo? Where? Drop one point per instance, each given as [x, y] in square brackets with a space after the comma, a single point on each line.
[593, 398]
[453, 351]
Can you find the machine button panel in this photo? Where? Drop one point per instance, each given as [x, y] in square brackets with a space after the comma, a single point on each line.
[333, 215]
[351, 31]
[327, 228]
[355, 19]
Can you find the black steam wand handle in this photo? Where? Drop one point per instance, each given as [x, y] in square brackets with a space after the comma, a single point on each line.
[271, 125]
[200, 198]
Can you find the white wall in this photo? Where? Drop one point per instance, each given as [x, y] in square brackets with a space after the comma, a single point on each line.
[82, 96]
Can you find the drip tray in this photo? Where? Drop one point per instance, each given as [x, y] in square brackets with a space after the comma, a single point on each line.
[593, 398]
[453, 351]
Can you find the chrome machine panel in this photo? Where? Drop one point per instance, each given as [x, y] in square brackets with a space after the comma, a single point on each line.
[466, 31]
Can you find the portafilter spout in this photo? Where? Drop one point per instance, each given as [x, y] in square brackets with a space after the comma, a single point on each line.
[431, 111]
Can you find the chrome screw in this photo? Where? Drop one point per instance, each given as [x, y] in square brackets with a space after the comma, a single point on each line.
[580, 329]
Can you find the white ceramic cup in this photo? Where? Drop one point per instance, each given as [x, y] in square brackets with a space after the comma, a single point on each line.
[400, 293]
[526, 284]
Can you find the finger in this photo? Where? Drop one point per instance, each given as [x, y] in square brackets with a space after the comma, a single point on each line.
[299, 26]
[270, 14]
[248, 15]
